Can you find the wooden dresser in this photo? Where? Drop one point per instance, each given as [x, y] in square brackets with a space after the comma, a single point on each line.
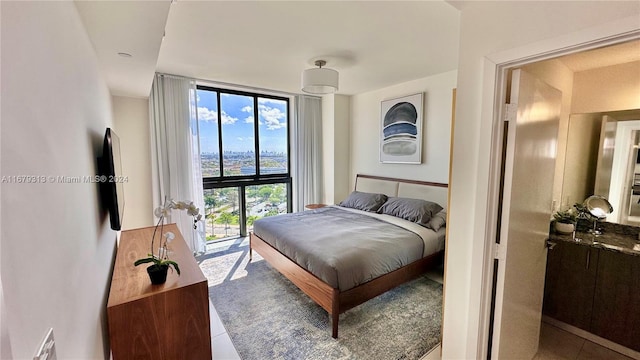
[168, 321]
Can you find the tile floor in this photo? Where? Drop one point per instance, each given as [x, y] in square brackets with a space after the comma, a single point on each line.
[221, 345]
[556, 343]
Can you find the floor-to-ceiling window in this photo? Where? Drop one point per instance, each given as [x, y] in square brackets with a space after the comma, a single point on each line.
[244, 152]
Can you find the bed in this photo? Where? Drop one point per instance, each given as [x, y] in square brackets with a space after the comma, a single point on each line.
[347, 256]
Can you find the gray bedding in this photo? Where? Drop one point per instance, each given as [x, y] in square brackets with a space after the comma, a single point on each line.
[343, 248]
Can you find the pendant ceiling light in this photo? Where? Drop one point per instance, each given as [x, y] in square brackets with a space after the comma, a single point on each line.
[320, 80]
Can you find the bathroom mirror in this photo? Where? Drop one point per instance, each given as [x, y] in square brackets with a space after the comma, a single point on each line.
[602, 158]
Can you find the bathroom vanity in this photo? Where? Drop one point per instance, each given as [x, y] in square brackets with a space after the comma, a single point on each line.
[593, 282]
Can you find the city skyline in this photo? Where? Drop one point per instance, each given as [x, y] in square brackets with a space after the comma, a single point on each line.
[238, 123]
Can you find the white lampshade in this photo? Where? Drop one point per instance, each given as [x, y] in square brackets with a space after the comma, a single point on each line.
[319, 80]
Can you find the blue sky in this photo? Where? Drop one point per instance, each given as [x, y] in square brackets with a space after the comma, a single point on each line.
[237, 123]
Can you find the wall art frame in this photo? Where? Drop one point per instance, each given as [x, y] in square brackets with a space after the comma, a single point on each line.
[401, 122]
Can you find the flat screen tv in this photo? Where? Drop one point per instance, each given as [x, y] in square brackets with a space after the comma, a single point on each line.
[111, 179]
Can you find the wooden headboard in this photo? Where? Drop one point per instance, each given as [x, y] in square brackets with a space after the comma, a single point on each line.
[416, 189]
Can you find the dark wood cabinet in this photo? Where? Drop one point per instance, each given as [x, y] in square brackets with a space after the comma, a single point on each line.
[616, 304]
[596, 290]
[570, 283]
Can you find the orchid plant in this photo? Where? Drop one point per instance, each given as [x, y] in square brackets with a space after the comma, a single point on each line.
[161, 212]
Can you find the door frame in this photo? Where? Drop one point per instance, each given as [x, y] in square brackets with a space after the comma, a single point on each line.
[495, 75]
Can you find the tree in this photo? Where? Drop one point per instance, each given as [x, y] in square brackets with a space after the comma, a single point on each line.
[252, 192]
[212, 217]
[210, 201]
[225, 218]
[233, 199]
[272, 212]
[265, 192]
[251, 219]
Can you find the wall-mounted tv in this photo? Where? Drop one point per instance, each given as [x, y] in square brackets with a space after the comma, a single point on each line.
[111, 179]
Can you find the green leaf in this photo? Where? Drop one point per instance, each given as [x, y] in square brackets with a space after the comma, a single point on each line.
[144, 261]
[174, 264]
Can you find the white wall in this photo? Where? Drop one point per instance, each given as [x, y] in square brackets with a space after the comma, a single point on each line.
[328, 148]
[5, 341]
[57, 247]
[131, 123]
[608, 88]
[365, 130]
[335, 147]
[488, 28]
[342, 187]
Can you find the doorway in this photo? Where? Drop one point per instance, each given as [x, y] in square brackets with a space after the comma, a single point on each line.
[501, 77]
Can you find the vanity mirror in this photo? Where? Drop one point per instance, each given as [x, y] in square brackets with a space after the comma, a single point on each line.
[599, 208]
[602, 159]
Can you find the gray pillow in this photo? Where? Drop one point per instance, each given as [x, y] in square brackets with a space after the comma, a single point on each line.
[364, 201]
[414, 210]
[438, 220]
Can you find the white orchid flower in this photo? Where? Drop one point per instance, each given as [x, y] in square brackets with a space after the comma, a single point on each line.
[161, 211]
[170, 236]
[193, 210]
[172, 204]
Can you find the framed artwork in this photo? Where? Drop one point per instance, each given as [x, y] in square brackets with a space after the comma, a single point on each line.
[401, 130]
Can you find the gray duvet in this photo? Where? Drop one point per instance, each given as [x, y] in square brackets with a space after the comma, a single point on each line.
[343, 248]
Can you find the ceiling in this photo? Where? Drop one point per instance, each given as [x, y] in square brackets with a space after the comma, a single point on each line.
[604, 56]
[267, 44]
[133, 27]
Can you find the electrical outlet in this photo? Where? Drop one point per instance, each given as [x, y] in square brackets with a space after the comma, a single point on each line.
[47, 349]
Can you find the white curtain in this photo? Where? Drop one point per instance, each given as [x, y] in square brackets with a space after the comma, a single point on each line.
[176, 172]
[307, 172]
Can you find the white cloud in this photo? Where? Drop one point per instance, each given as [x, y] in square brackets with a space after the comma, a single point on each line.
[247, 109]
[239, 139]
[272, 117]
[207, 114]
[226, 119]
[271, 101]
[250, 120]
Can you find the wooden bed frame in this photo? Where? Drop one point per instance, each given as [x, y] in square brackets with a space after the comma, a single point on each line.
[333, 300]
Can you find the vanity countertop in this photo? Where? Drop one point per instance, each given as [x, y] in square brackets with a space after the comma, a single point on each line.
[615, 237]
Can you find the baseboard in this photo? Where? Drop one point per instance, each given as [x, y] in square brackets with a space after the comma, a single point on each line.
[433, 354]
[593, 338]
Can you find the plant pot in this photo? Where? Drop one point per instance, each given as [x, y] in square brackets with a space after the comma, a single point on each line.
[158, 273]
[564, 228]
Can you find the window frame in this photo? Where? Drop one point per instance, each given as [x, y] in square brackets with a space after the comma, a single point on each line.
[242, 181]
[256, 132]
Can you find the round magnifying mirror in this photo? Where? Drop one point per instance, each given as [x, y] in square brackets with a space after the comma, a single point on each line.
[598, 206]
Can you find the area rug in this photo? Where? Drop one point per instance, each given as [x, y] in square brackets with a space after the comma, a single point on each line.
[267, 317]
